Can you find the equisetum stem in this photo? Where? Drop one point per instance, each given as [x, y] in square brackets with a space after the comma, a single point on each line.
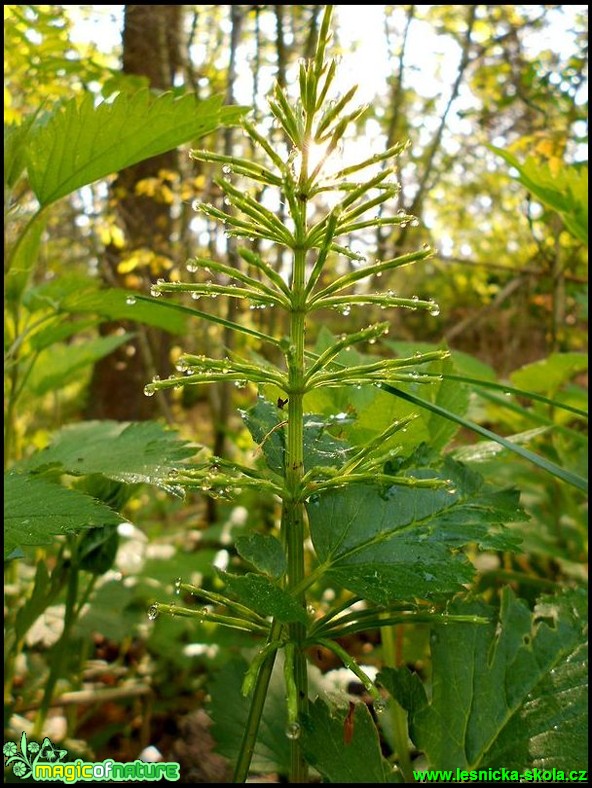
[293, 511]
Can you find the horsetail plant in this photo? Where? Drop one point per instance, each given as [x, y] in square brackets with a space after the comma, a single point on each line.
[380, 530]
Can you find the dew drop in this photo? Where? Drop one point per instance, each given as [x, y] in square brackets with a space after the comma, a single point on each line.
[130, 300]
[177, 586]
[346, 311]
[379, 706]
[227, 169]
[310, 609]
[434, 309]
[148, 392]
[196, 296]
[293, 731]
[153, 612]
[415, 298]
[192, 266]
[155, 292]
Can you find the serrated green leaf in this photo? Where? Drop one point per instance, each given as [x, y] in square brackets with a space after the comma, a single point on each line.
[264, 552]
[262, 595]
[35, 511]
[358, 761]
[404, 542]
[129, 452]
[80, 142]
[512, 693]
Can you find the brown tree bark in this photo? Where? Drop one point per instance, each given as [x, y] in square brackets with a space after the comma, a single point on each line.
[151, 48]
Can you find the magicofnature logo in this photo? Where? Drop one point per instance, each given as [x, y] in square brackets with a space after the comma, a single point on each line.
[44, 762]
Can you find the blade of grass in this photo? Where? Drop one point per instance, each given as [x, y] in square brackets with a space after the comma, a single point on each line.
[546, 465]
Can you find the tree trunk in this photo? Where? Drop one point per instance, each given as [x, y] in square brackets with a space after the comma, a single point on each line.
[151, 48]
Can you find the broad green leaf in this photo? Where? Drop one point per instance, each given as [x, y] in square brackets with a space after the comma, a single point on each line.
[127, 452]
[73, 295]
[264, 552]
[62, 363]
[357, 761]
[57, 329]
[80, 142]
[320, 448]
[262, 595]
[512, 693]
[112, 612]
[113, 304]
[229, 710]
[36, 510]
[565, 191]
[404, 542]
[549, 374]
[370, 410]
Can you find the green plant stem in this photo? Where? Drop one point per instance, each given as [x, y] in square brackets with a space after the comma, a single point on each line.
[243, 762]
[293, 509]
[398, 714]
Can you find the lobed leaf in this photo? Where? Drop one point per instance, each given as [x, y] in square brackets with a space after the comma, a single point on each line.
[129, 452]
[404, 542]
[80, 142]
[36, 510]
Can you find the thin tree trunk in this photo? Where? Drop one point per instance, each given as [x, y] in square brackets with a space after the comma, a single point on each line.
[151, 48]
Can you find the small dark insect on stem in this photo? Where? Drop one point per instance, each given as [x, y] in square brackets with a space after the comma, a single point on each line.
[281, 403]
[348, 724]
